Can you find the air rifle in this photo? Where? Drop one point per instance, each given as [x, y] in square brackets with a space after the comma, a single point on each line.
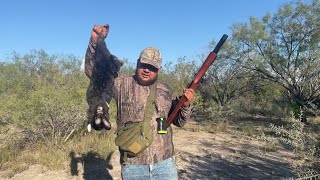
[196, 80]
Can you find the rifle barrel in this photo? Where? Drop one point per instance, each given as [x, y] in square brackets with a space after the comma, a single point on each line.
[205, 66]
[220, 43]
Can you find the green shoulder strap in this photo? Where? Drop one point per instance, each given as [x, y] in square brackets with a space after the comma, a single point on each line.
[148, 112]
[150, 106]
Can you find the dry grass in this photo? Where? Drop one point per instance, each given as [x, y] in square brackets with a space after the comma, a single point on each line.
[211, 127]
[314, 120]
[55, 157]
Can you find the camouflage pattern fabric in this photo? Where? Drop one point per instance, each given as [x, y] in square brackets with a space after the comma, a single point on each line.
[151, 56]
[131, 99]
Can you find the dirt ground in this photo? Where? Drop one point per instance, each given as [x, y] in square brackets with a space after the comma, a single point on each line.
[199, 155]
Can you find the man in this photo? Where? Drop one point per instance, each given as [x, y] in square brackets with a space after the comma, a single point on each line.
[131, 94]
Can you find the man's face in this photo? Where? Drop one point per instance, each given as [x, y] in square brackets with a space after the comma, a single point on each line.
[146, 74]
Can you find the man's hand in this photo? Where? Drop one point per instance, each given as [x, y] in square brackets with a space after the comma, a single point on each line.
[99, 30]
[189, 94]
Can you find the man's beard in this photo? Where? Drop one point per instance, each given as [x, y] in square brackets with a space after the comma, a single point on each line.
[143, 82]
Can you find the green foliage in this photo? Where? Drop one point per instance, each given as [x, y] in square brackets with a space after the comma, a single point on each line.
[178, 76]
[43, 95]
[265, 99]
[269, 67]
[128, 68]
[284, 49]
[296, 136]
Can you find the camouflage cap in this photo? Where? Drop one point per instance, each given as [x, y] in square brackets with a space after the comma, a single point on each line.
[151, 56]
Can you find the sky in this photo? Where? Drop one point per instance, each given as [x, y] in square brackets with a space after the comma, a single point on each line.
[177, 27]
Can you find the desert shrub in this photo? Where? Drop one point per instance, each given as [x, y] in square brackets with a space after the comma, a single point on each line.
[304, 144]
[296, 137]
[43, 96]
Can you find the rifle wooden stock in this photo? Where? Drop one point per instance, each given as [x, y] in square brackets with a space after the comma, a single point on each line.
[196, 80]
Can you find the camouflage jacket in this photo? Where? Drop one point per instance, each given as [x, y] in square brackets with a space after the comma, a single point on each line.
[131, 99]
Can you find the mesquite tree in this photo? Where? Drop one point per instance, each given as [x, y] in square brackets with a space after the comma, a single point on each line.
[284, 48]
